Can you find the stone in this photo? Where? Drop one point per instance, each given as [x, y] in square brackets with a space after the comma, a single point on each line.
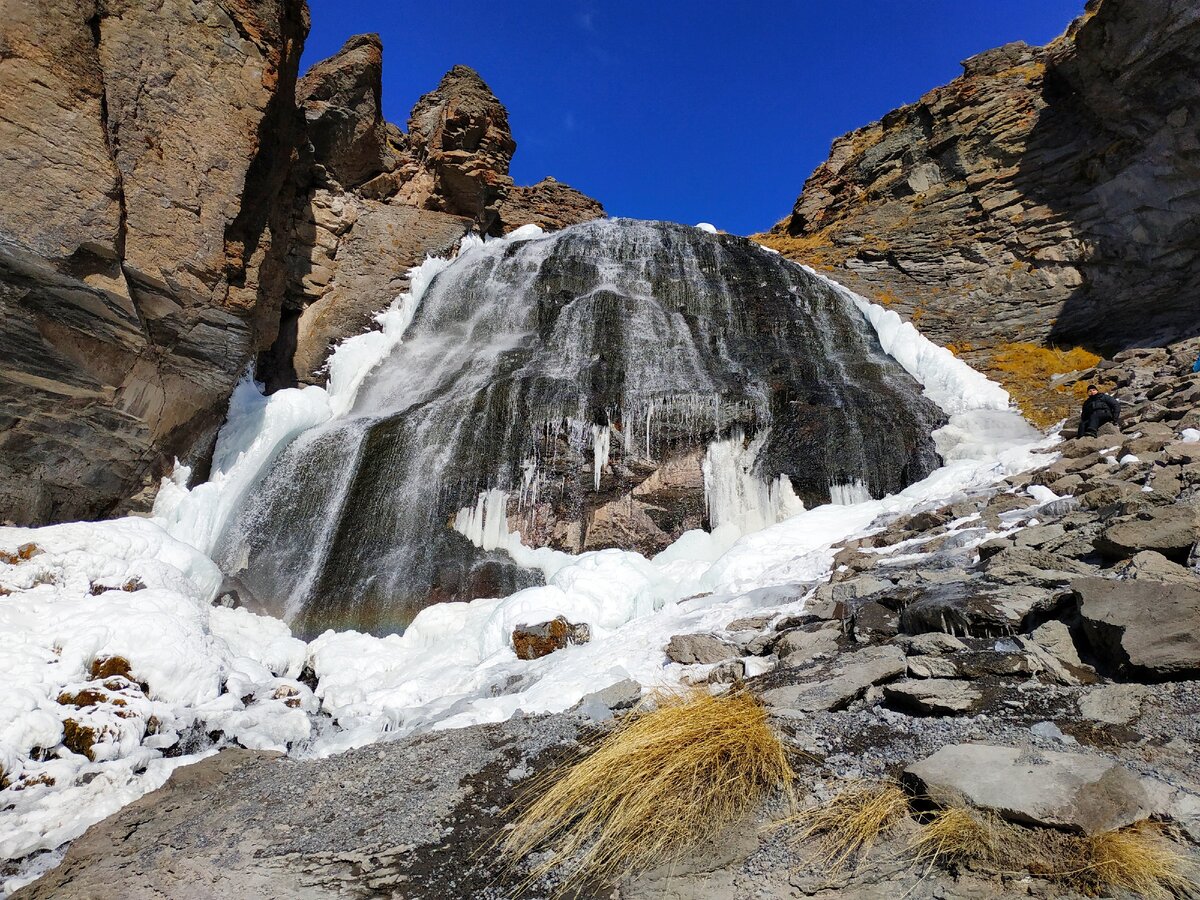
[1022, 565]
[873, 621]
[549, 204]
[1071, 791]
[728, 672]
[1113, 704]
[1152, 566]
[933, 644]
[698, 649]
[1170, 531]
[836, 685]
[935, 696]
[802, 645]
[975, 608]
[1142, 627]
[624, 694]
[1055, 638]
[536, 641]
[932, 667]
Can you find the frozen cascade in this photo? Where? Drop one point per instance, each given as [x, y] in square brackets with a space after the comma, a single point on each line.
[849, 494]
[531, 368]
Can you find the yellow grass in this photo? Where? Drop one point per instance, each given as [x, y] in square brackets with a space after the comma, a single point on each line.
[848, 826]
[1025, 370]
[954, 836]
[1137, 860]
[662, 782]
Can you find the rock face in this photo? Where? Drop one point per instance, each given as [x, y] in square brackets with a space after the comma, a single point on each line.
[193, 207]
[142, 267]
[1048, 194]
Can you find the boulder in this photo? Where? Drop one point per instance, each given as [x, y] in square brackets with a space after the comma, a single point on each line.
[975, 608]
[932, 643]
[934, 696]
[698, 649]
[1151, 566]
[1144, 628]
[1072, 791]
[837, 684]
[1170, 531]
[535, 641]
[1113, 704]
[802, 645]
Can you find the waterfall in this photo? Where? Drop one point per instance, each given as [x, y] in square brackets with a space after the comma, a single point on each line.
[615, 381]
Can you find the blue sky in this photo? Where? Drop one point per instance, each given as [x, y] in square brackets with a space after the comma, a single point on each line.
[700, 111]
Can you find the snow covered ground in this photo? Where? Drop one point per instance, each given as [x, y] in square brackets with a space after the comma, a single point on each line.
[119, 668]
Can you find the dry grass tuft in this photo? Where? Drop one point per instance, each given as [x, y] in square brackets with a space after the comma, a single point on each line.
[662, 782]
[954, 836]
[1136, 860]
[848, 826]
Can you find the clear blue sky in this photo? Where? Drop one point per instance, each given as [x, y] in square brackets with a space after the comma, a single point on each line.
[687, 111]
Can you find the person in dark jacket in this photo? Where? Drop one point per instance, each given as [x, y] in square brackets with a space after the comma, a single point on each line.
[1098, 409]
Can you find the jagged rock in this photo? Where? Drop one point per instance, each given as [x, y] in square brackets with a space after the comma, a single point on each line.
[1021, 565]
[1008, 205]
[1071, 791]
[837, 684]
[727, 672]
[932, 644]
[698, 649]
[936, 696]
[873, 621]
[622, 695]
[535, 641]
[147, 151]
[1142, 626]
[342, 99]
[549, 203]
[1170, 531]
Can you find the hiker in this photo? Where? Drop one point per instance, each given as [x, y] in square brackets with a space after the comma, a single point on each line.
[1098, 409]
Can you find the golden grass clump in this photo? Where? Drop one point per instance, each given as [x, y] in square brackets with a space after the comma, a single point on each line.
[1134, 859]
[663, 781]
[954, 836]
[847, 826]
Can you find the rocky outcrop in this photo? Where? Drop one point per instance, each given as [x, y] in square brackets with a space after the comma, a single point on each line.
[193, 207]
[549, 203]
[1048, 194]
[142, 267]
[378, 200]
[536, 641]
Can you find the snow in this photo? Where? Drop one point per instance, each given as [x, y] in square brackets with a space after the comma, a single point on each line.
[208, 668]
[706, 227]
[1190, 435]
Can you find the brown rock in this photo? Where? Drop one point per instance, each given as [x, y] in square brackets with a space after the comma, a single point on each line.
[549, 203]
[342, 99]
[535, 641]
[141, 267]
[1009, 205]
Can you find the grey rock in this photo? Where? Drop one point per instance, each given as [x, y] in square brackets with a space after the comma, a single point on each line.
[838, 684]
[1113, 704]
[937, 696]
[1073, 791]
[801, 645]
[624, 694]
[1142, 626]
[1152, 566]
[701, 649]
[1170, 531]
[933, 644]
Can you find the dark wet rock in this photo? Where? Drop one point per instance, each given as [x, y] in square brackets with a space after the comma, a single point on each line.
[1141, 627]
[975, 608]
[1072, 791]
[536, 641]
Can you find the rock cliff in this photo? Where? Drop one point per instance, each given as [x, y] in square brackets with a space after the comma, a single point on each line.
[1049, 194]
[144, 153]
[176, 201]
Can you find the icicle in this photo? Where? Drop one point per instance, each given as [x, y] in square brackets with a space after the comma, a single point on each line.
[486, 524]
[849, 494]
[601, 441]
